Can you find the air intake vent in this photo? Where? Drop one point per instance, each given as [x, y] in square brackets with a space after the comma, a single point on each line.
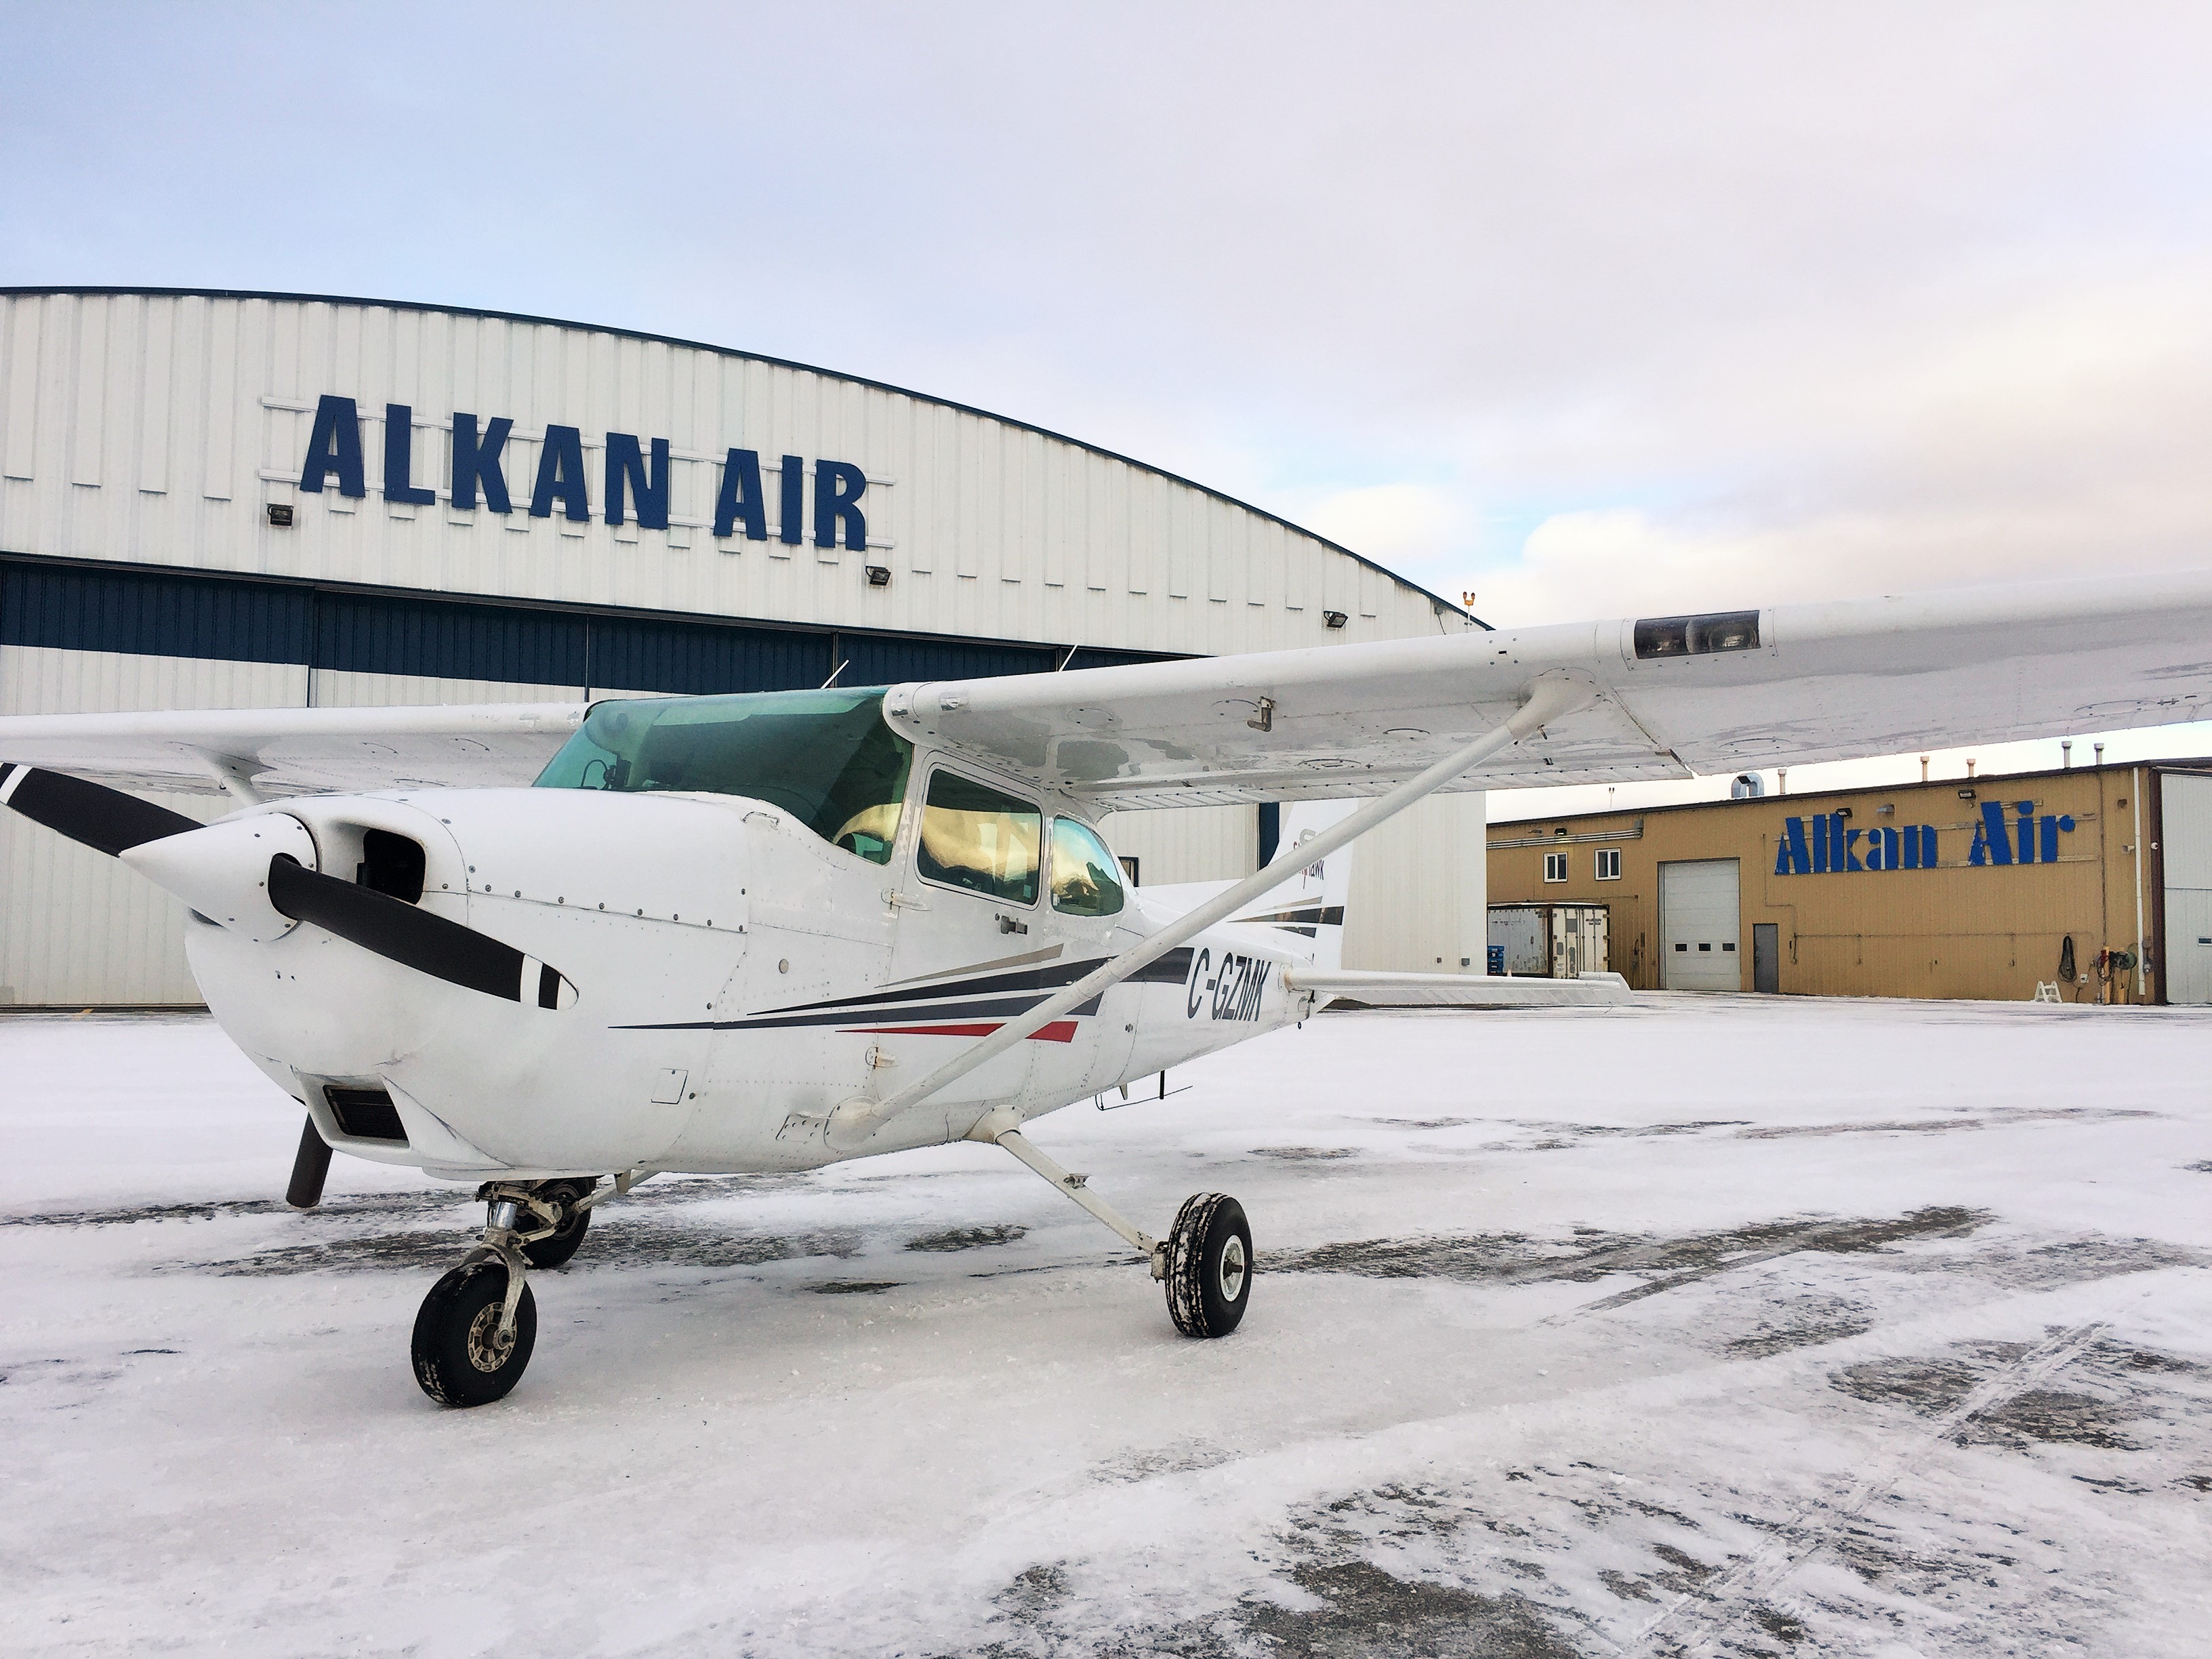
[390, 864]
[365, 1114]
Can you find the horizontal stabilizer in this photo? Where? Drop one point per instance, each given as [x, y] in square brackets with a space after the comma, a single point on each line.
[1461, 990]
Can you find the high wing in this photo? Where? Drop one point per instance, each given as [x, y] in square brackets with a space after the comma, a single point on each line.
[269, 753]
[1668, 697]
[1660, 698]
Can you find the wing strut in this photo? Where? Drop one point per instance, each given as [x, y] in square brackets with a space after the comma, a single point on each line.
[1548, 698]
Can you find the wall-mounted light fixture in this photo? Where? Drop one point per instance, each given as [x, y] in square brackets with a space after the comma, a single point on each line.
[1333, 618]
[1966, 794]
[879, 575]
[280, 514]
[1843, 811]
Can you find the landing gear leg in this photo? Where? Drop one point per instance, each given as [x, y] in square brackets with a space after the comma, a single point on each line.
[574, 1215]
[478, 1326]
[1204, 1261]
[474, 1334]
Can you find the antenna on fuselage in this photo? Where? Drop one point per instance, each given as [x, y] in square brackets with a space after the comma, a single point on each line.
[834, 672]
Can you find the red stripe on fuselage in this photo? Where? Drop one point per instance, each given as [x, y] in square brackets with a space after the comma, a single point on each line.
[1060, 1030]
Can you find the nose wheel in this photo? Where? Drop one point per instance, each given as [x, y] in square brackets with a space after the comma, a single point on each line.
[469, 1350]
[477, 1328]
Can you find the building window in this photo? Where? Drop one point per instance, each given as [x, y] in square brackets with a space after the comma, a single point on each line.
[1608, 863]
[1555, 866]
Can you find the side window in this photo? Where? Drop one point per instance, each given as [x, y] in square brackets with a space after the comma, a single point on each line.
[1555, 866]
[980, 838]
[1084, 882]
[1608, 863]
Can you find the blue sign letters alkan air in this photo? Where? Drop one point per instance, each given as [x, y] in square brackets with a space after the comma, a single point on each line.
[636, 477]
[1822, 846]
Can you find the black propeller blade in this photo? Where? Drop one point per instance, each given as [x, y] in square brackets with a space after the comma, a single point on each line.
[309, 1167]
[396, 931]
[104, 819]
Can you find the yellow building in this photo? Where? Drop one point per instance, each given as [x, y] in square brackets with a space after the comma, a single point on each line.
[2097, 880]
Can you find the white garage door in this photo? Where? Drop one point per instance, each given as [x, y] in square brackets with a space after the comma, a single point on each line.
[1697, 920]
[2185, 838]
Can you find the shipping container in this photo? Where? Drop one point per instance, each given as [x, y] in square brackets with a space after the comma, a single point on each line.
[1549, 940]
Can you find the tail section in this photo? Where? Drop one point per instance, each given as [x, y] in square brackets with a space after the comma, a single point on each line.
[1324, 886]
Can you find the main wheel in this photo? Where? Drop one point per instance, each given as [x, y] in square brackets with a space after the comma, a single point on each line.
[554, 1251]
[459, 1358]
[1209, 1265]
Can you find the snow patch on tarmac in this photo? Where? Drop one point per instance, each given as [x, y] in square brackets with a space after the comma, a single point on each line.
[1710, 1326]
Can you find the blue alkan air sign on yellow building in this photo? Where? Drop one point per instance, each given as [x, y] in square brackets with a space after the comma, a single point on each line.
[1825, 844]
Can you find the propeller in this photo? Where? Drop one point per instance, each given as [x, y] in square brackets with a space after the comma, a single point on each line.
[398, 932]
[107, 820]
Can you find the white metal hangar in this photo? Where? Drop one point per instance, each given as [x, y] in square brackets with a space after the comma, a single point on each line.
[227, 500]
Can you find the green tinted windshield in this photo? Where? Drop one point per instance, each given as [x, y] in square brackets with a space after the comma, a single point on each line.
[825, 756]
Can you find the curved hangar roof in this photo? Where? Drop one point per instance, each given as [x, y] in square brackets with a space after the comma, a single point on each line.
[481, 453]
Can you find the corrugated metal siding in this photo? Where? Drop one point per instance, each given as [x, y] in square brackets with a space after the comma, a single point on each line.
[231, 619]
[1187, 843]
[154, 613]
[1418, 902]
[337, 690]
[423, 638]
[157, 427]
[880, 661]
[659, 656]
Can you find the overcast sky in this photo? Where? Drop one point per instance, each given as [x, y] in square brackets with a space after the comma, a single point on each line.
[1587, 310]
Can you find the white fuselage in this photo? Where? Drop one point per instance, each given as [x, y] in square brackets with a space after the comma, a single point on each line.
[737, 979]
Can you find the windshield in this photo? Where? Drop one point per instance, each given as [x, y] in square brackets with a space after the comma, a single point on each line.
[825, 756]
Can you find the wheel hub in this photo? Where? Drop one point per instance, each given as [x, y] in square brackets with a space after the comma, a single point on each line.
[1233, 1268]
[489, 1347]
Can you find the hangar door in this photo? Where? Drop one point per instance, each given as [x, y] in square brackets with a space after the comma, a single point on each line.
[1698, 915]
[2185, 839]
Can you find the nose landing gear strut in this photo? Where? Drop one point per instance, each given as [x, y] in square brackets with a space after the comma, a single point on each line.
[474, 1334]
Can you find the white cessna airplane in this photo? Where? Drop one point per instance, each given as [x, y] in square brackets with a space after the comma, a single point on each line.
[536, 946]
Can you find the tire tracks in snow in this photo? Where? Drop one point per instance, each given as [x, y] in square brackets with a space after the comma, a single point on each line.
[1730, 1593]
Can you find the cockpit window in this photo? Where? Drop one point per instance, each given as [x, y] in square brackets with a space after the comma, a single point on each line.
[826, 757]
[976, 837]
[1085, 879]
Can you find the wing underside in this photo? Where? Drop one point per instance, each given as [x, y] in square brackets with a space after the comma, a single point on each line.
[1666, 698]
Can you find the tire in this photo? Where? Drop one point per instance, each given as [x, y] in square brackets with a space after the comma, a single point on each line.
[1209, 1265]
[553, 1252]
[457, 1359]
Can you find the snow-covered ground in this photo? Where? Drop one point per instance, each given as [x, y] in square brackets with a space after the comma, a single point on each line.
[1721, 1326]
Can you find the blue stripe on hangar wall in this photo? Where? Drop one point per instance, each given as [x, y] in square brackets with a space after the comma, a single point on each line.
[145, 611]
